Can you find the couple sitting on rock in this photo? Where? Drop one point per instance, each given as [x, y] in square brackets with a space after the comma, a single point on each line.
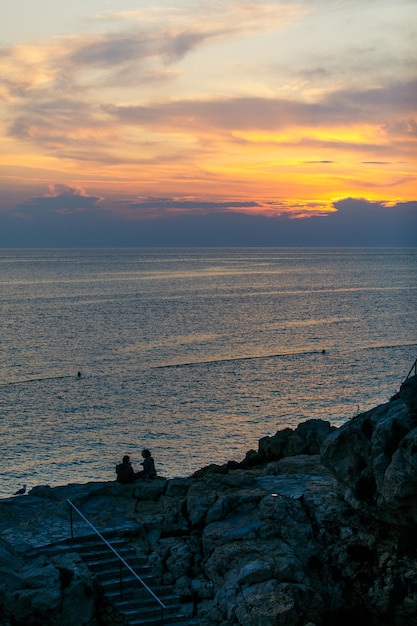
[126, 474]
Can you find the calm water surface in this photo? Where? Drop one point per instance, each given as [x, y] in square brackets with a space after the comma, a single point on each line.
[194, 353]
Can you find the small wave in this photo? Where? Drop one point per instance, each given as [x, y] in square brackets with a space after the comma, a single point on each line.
[279, 355]
[238, 358]
[37, 380]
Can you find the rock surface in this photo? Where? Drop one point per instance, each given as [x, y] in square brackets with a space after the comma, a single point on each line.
[373, 457]
[287, 537]
[56, 591]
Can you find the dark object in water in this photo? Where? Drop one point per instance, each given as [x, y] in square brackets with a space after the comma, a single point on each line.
[21, 491]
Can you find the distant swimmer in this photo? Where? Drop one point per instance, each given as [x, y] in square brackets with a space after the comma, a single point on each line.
[79, 374]
[323, 351]
[21, 491]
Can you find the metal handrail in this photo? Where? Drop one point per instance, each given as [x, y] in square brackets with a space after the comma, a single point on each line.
[413, 367]
[121, 559]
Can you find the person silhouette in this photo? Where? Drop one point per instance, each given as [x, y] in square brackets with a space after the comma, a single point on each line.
[124, 471]
[148, 463]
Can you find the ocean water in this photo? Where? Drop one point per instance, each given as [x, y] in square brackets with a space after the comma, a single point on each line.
[193, 353]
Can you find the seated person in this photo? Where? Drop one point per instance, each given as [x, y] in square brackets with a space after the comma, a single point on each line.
[124, 471]
[148, 465]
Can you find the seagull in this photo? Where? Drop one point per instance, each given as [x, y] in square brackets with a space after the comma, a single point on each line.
[21, 491]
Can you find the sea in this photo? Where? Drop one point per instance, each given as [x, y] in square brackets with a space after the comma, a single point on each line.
[193, 353]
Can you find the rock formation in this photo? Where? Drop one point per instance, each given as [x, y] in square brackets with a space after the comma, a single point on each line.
[373, 457]
[315, 527]
[57, 591]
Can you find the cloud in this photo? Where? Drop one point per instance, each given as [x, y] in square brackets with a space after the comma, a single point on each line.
[78, 130]
[110, 50]
[68, 217]
[256, 113]
[135, 47]
[377, 101]
[61, 199]
[154, 208]
[56, 91]
[167, 38]
[377, 222]
[237, 17]
[216, 98]
[158, 208]
[79, 97]
[316, 162]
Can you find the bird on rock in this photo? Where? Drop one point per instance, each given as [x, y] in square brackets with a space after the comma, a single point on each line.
[21, 491]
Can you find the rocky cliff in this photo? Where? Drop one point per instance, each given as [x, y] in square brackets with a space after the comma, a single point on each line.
[315, 527]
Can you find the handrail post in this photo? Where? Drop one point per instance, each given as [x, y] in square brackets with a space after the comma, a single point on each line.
[71, 525]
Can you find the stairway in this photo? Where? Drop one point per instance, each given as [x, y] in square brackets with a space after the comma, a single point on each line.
[130, 601]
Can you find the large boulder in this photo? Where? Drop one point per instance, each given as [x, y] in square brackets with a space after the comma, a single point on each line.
[52, 591]
[373, 459]
[213, 495]
[307, 438]
[272, 602]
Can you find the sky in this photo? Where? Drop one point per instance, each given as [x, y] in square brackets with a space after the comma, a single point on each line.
[223, 122]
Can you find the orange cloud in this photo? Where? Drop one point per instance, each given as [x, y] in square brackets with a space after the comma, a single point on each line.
[183, 104]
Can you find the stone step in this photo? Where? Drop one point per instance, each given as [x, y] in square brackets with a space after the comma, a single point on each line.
[102, 549]
[100, 545]
[175, 620]
[152, 611]
[115, 569]
[136, 593]
[85, 540]
[129, 582]
[127, 605]
[112, 570]
[147, 611]
[109, 558]
[110, 561]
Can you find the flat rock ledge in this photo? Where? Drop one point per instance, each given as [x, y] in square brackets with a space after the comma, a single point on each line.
[314, 528]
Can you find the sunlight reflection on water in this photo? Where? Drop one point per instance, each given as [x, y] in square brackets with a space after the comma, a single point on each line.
[197, 365]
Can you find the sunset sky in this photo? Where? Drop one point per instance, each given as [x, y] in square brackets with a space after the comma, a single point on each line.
[218, 123]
